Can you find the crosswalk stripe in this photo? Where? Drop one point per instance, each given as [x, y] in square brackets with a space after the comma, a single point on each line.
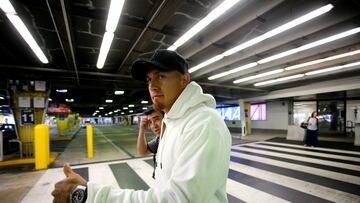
[317, 154]
[143, 170]
[127, 178]
[317, 148]
[250, 194]
[102, 174]
[281, 191]
[296, 184]
[329, 158]
[324, 181]
[296, 167]
[311, 160]
[41, 192]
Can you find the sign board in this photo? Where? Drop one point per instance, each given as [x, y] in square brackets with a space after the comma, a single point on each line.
[27, 117]
[40, 86]
[39, 102]
[24, 102]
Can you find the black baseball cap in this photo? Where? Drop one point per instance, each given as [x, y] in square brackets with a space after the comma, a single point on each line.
[163, 59]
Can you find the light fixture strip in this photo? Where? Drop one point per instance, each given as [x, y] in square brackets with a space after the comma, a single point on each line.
[11, 14]
[214, 14]
[279, 80]
[259, 76]
[280, 29]
[267, 35]
[111, 24]
[334, 68]
[244, 67]
[323, 60]
[310, 45]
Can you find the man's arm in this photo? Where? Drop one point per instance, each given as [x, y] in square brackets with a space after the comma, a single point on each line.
[141, 145]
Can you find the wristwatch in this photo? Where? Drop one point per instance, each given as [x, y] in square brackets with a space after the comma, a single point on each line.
[79, 194]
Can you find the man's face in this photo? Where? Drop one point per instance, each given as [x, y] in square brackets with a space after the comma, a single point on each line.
[155, 119]
[165, 87]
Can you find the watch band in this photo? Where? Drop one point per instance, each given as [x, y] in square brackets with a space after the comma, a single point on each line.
[79, 194]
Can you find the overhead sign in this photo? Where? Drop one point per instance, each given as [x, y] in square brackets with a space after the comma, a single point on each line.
[27, 116]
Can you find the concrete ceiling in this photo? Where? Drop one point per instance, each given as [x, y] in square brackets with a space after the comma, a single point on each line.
[71, 41]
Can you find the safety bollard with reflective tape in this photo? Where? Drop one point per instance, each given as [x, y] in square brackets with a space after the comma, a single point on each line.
[90, 147]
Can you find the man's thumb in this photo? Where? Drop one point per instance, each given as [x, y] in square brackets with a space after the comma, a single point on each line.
[67, 170]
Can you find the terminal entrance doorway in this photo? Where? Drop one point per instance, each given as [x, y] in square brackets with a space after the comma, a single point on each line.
[333, 118]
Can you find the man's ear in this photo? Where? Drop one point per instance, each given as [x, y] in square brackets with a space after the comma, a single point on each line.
[186, 78]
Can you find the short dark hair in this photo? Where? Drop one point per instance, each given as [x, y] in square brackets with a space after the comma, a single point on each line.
[151, 110]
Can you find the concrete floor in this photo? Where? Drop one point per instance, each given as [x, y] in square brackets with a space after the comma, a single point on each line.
[116, 143]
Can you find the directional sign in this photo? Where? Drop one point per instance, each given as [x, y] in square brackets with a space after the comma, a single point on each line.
[27, 116]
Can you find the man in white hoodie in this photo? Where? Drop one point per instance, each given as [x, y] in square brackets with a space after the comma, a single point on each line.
[194, 150]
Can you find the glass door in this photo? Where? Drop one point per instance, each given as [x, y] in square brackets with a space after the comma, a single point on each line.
[333, 118]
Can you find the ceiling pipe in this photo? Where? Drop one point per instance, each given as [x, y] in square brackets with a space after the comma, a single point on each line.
[57, 32]
[32, 68]
[231, 87]
[142, 33]
[69, 39]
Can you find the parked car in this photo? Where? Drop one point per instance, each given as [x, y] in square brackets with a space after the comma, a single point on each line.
[9, 133]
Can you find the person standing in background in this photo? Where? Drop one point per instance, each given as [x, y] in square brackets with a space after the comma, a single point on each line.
[153, 120]
[311, 138]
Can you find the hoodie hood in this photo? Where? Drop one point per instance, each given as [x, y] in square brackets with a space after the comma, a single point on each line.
[191, 96]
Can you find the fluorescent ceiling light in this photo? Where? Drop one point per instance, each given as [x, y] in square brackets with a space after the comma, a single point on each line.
[106, 114]
[214, 14]
[10, 12]
[50, 99]
[122, 113]
[2, 98]
[104, 50]
[207, 62]
[280, 29]
[244, 67]
[97, 111]
[110, 112]
[108, 101]
[131, 105]
[267, 35]
[323, 60]
[61, 90]
[114, 15]
[7, 7]
[279, 80]
[119, 92]
[69, 100]
[116, 111]
[25, 34]
[111, 24]
[99, 116]
[131, 111]
[144, 102]
[144, 108]
[125, 108]
[332, 68]
[259, 75]
[101, 107]
[310, 45]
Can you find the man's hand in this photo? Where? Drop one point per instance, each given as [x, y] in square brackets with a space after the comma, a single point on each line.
[144, 124]
[64, 187]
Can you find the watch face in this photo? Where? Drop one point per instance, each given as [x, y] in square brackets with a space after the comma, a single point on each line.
[77, 196]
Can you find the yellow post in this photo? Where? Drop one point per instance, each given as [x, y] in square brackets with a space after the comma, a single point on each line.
[42, 153]
[90, 148]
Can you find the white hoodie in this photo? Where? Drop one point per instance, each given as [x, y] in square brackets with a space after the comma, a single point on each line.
[192, 159]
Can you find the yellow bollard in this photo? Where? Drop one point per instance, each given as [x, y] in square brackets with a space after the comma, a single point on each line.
[42, 152]
[90, 148]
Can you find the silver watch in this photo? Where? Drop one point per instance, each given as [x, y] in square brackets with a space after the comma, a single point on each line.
[79, 194]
